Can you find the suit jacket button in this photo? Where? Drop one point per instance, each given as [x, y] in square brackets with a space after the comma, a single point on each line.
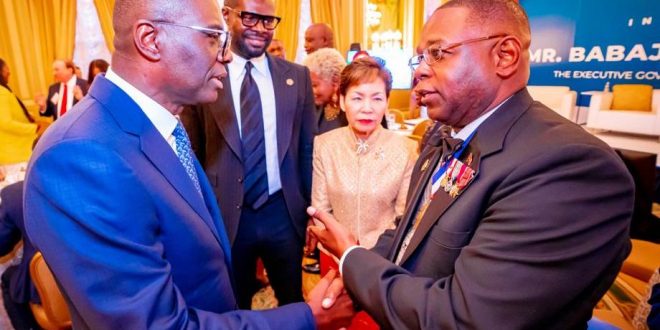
[238, 206]
[240, 180]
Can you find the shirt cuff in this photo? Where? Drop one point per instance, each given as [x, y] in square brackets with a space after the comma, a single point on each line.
[343, 257]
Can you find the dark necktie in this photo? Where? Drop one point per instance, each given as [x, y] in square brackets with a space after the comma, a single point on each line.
[255, 185]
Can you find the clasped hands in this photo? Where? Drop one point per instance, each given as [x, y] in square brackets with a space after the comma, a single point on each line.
[330, 304]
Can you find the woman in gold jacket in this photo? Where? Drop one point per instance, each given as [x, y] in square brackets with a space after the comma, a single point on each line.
[17, 127]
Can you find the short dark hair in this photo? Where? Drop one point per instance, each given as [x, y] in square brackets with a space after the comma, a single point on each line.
[364, 70]
[494, 12]
[98, 63]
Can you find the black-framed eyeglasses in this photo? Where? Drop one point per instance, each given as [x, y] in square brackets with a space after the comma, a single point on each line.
[434, 53]
[223, 37]
[250, 19]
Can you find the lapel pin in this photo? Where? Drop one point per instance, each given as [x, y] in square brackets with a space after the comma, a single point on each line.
[289, 82]
[425, 165]
[469, 159]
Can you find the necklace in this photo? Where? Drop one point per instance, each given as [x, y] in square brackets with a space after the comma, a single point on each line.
[330, 112]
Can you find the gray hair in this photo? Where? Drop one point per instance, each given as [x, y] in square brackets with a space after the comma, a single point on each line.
[327, 63]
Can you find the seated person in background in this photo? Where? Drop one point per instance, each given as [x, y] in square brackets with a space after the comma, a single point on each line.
[65, 92]
[325, 67]
[95, 67]
[276, 49]
[17, 127]
[17, 288]
[362, 172]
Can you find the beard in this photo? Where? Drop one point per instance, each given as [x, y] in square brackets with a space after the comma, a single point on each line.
[246, 49]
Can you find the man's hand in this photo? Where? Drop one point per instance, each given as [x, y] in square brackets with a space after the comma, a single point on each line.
[77, 93]
[335, 312]
[40, 100]
[334, 237]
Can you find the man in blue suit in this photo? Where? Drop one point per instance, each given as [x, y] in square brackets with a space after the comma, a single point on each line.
[17, 289]
[117, 203]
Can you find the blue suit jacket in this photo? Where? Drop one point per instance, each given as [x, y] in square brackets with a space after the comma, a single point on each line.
[12, 230]
[128, 238]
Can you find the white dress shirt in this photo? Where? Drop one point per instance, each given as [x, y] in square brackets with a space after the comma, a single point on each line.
[261, 75]
[164, 121]
[70, 85]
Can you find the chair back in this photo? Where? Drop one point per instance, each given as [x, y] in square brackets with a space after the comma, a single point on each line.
[398, 115]
[52, 313]
[421, 128]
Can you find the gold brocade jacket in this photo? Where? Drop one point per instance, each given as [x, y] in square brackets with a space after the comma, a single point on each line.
[363, 185]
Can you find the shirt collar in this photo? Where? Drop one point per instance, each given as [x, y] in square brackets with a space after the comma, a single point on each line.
[260, 63]
[72, 81]
[471, 127]
[164, 120]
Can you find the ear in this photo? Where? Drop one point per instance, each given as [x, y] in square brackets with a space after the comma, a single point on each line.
[342, 100]
[145, 39]
[507, 56]
[225, 14]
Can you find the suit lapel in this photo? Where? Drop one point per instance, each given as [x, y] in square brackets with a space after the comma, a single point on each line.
[421, 175]
[442, 200]
[132, 120]
[212, 207]
[224, 115]
[286, 91]
[494, 129]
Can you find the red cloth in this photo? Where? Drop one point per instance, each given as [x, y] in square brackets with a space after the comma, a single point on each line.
[361, 321]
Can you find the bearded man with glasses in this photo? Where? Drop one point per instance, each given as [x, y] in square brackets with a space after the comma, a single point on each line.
[516, 218]
[255, 144]
[116, 201]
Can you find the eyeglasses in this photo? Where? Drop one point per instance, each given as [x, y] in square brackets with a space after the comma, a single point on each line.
[435, 53]
[222, 37]
[252, 19]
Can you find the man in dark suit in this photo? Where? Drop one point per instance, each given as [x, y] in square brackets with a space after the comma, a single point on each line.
[65, 93]
[522, 225]
[255, 143]
[17, 289]
[117, 203]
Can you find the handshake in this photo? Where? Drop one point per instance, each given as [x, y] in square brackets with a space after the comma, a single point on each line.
[331, 306]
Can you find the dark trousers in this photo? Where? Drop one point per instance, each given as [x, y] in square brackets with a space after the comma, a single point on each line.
[268, 233]
[19, 314]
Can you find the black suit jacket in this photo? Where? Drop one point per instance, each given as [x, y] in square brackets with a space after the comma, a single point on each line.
[12, 230]
[51, 109]
[214, 135]
[532, 243]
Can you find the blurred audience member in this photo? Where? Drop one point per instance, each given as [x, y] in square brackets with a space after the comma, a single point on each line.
[79, 74]
[17, 127]
[65, 92]
[95, 67]
[276, 49]
[325, 67]
[17, 288]
[318, 36]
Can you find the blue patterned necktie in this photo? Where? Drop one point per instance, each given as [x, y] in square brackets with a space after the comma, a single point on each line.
[255, 185]
[184, 152]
